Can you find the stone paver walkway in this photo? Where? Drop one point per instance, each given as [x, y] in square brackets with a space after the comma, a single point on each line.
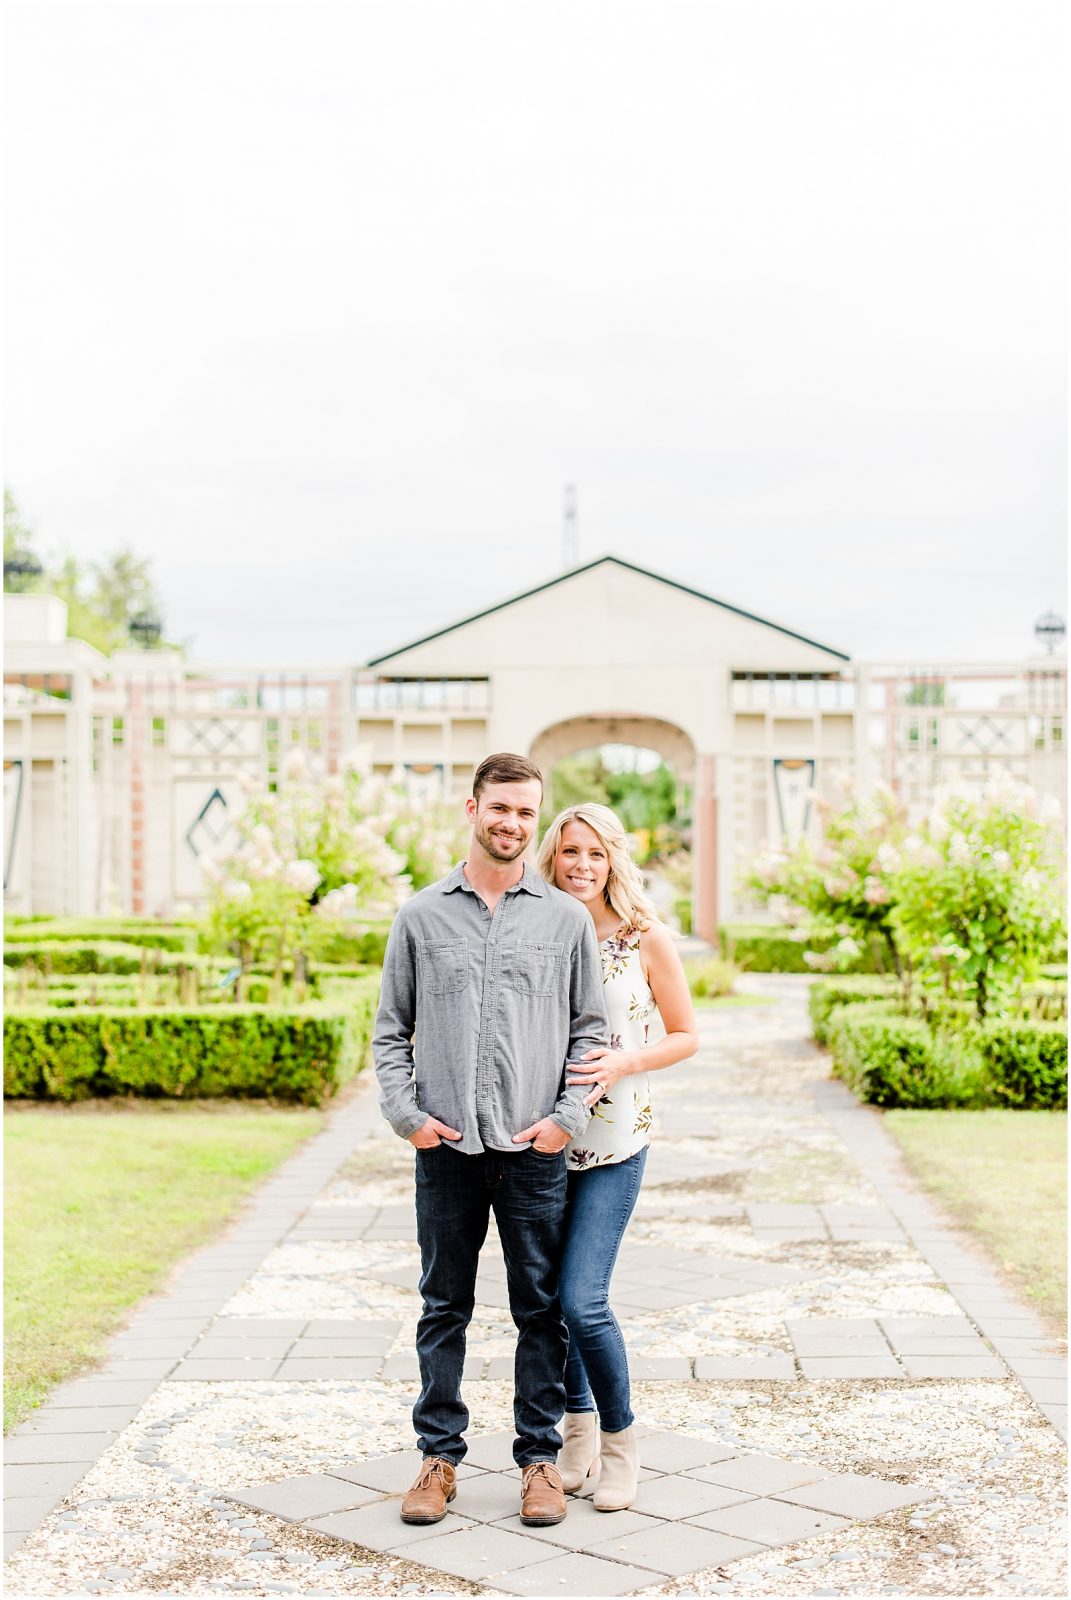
[837, 1394]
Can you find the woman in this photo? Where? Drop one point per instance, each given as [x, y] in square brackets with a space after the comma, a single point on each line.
[652, 1024]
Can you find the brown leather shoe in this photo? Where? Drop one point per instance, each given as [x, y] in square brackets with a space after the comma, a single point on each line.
[542, 1495]
[432, 1492]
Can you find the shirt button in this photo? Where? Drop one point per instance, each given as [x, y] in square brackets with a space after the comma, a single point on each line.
[490, 941]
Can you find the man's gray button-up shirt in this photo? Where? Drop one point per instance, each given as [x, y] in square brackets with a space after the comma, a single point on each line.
[479, 1014]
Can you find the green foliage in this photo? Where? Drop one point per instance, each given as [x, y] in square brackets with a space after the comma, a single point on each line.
[964, 909]
[893, 1060]
[976, 904]
[152, 990]
[890, 1059]
[824, 997]
[365, 946]
[317, 860]
[143, 931]
[99, 955]
[646, 802]
[765, 947]
[839, 885]
[712, 978]
[102, 598]
[1027, 1063]
[682, 910]
[1045, 1000]
[302, 1056]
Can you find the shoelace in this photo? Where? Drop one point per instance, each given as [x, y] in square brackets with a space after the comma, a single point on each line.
[544, 1468]
[432, 1469]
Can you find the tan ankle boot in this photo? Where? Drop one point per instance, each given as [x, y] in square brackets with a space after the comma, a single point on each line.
[616, 1488]
[578, 1460]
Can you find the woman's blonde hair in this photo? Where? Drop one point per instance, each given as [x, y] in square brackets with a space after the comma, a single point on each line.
[624, 891]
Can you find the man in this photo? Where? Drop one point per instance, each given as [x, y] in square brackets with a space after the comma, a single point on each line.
[491, 982]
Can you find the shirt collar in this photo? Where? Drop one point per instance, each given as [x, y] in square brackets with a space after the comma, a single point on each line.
[531, 882]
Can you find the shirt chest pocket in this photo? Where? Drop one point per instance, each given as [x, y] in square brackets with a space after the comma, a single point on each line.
[536, 967]
[444, 965]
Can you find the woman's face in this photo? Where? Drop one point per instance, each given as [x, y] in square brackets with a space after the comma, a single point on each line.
[581, 863]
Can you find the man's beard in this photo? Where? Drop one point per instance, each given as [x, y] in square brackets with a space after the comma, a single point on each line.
[500, 849]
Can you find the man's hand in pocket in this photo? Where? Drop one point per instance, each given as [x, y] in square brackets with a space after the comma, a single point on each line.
[432, 1133]
[547, 1136]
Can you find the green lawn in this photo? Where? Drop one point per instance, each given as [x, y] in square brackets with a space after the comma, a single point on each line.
[1003, 1174]
[101, 1200]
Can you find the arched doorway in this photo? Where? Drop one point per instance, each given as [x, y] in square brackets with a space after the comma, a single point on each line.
[677, 749]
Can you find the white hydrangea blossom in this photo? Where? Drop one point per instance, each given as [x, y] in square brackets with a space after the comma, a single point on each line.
[302, 875]
[295, 766]
[959, 850]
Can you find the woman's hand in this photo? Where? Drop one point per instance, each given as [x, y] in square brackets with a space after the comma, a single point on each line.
[603, 1069]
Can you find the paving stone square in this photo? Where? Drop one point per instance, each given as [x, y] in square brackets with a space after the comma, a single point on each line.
[394, 1474]
[851, 1494]
[764, 1369]
[573, 1574]
[763, 1475]
[838, 1367]
[772, 1522]
[675, 1498]
[584, 1527]
[378, 1526]
[299, 1499]
[958, 1366]
[675, 1452]
[689, 1550]
[479, 1552]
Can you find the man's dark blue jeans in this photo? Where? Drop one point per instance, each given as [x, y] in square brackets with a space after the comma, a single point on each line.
[455, 1195]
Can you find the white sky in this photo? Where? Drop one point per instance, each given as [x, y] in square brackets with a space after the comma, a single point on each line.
[321, 306]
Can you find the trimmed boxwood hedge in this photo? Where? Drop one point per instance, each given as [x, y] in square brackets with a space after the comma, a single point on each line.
[367, 947]
[143, 931]
[108, 990]
[765, 947]
[101, 955]
[303, 1055]
[1027, 1063]
[825, 996]
[895, 1060]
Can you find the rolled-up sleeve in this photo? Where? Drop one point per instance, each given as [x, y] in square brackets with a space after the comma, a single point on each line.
[588, 1027]
[392, 1041]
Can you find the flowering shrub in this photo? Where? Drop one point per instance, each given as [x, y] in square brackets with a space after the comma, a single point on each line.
[968, 903]
[320, 856]
[840, 885]
[974, 892]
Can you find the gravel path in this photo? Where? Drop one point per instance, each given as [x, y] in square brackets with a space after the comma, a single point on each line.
[784, 1290]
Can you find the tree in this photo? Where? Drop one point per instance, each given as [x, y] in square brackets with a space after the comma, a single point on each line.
[18, 549]
[927, 692]
[103, 597]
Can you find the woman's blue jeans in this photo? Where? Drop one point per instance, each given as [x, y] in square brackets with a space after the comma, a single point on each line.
[599, 1205]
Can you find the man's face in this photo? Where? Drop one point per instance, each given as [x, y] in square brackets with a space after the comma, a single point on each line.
[504, 818]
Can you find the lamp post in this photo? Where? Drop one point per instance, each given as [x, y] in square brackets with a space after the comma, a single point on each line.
[145, 629]
[1050, 631]
[20, 570]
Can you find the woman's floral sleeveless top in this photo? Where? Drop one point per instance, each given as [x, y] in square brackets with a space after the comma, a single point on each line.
[621, 1121]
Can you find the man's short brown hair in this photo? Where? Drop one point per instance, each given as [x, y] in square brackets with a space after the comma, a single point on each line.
[505, 767]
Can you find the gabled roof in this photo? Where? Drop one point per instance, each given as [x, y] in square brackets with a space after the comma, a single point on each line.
[627, 566]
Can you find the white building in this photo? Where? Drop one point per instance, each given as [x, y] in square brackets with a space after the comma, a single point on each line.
[120, 772]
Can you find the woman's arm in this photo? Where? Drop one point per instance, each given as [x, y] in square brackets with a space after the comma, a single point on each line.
[665, 974]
